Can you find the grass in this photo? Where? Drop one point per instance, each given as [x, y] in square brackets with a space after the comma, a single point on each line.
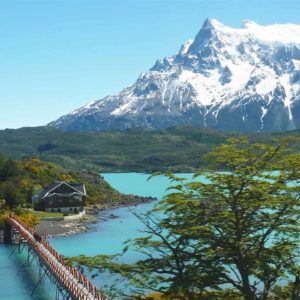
[45, 214]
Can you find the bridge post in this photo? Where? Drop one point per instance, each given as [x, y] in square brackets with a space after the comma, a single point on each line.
[7, 233]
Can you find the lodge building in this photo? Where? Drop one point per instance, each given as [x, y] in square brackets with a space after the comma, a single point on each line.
[62, 196]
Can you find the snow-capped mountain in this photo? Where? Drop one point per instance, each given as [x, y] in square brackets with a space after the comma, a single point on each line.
[245, 79]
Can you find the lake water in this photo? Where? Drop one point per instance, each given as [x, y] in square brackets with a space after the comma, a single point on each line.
[107, 237]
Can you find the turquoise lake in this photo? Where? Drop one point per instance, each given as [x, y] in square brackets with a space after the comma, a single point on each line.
[105, 237]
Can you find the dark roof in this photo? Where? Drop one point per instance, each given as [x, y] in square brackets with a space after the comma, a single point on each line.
[79, 187]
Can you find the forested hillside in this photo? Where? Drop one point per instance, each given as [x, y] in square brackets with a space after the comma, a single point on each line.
[177, 148]
[19, 180]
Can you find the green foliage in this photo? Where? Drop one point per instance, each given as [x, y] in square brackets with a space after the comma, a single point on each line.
[137, 150]
[12, 194]
[3, 217]
[8, 169]
[225, 294]
[25, 215]
[21, 179]
[29, 218]
[239, 228]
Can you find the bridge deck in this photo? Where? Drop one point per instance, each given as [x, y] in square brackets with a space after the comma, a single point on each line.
[77, 285]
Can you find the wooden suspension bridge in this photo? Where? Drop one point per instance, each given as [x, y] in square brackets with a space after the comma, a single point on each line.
[70, 283]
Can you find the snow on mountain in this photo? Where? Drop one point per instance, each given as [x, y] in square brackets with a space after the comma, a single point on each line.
[245, 79]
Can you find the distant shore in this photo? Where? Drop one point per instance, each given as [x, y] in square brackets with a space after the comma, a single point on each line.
[51, 228]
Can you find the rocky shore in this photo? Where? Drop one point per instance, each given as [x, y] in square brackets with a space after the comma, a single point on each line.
[51, 228]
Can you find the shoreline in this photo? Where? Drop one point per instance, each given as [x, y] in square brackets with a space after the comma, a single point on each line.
[52, 228]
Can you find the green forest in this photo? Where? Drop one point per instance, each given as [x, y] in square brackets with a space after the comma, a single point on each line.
[135, 150]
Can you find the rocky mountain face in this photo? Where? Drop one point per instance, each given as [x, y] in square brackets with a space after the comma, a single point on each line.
[245, 79]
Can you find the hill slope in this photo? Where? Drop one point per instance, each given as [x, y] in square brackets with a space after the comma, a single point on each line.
[178, 148]
[19, 180]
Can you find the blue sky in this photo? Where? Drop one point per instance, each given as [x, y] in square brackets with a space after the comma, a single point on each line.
[57, 55]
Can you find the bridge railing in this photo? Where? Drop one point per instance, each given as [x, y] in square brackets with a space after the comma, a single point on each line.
[59, 273]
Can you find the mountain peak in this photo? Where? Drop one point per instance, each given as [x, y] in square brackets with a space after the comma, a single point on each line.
[244, 79]
[207, 33]
[276, 34]
[210, 24]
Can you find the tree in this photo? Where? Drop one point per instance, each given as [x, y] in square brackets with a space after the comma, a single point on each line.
[241, 226]
[11, 194]
[173, 265]
[8, 169]
[27, 187]
[248, 215]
